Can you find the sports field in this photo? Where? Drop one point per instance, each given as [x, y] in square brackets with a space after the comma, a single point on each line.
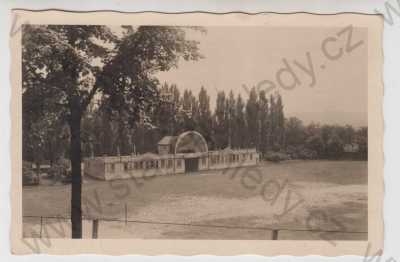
[298, 198]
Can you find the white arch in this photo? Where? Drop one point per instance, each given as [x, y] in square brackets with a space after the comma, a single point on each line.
[187, 133]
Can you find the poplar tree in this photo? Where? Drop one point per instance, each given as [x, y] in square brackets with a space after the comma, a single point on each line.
[280, 122]
[264, 122]
[240, 123]
[252, 111]
[230, 119]
[220, 125]
[204, 115]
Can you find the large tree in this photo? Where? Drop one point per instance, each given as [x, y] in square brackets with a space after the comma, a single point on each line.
[204, 118]
[294, 132]
[75, 64]
[252, 111]
[189, 110]
[280, 122]
[264, 122]
[230, 118]
[240, 123]
[220, 122]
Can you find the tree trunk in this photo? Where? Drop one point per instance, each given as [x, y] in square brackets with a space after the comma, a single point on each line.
[76, 185]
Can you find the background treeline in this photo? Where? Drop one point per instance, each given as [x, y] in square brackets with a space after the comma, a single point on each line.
[256, 122]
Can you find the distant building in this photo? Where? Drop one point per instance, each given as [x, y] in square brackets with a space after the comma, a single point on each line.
[167, 145]
[351, 148]
[185, 153]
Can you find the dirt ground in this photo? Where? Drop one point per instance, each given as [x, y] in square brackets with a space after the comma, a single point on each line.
[292, 197]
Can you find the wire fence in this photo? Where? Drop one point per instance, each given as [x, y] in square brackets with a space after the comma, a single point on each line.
[96, 223]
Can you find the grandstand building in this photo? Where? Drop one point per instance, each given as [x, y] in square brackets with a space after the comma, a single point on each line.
[186, 153]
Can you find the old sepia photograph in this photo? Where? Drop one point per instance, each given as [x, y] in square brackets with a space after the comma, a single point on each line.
[195, 132]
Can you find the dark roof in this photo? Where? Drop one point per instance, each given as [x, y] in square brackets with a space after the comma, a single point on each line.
[168, 140]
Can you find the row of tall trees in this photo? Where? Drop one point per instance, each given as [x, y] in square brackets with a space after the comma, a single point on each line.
[256, 122]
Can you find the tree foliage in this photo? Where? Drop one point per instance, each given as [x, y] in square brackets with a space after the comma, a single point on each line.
[68, 66]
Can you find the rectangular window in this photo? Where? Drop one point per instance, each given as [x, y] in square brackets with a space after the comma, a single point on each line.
[126, 167]
[251, 156]
[112, 168]
[179, 163]
[162, 163]
[203, 161]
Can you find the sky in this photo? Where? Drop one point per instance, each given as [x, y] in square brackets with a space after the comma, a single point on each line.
[292, 61]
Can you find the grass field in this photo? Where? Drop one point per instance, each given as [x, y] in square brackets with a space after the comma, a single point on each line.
[244, 203]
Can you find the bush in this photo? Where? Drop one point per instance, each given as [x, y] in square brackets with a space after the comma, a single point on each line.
[307, 154]
[276, 156]
[292, 151]
[300, 152]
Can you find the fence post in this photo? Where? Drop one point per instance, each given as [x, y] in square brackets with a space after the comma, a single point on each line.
[274, 234]
[41, 225]
[126, 214]
[95, 228]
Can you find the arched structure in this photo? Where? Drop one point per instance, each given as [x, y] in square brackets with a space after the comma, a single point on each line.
[191, 142]
[186, 153]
